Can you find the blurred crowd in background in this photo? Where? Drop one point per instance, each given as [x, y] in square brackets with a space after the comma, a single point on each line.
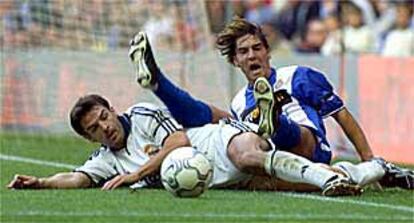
[325, 27]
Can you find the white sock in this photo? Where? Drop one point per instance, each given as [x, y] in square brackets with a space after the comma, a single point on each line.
[362, 173]
[294, 168]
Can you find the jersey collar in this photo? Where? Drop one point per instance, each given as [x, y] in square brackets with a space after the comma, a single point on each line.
[126, 125]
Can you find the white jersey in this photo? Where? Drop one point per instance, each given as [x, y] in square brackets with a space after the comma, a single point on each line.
[147, 126]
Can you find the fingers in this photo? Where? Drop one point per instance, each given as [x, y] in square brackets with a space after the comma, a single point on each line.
[15, 183]
[21, 181]
[30, 181]
[114, 183]
[18, 182]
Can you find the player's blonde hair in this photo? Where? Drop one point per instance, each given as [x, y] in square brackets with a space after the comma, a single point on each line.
[236, 28]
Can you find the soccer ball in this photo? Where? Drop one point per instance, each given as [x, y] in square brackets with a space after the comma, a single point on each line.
[186, 172]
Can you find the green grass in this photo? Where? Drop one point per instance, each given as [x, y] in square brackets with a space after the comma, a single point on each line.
[93, 205]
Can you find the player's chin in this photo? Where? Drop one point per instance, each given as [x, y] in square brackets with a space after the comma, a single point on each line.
[112, 145]
[255, 74]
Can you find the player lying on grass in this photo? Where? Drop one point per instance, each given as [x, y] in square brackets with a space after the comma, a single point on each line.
[298, 127]
[135, 143]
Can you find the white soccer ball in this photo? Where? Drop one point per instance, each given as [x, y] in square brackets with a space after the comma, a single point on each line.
[186, 172]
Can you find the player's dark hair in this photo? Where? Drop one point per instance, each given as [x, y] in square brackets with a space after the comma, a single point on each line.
[236, 28]
[82, 106]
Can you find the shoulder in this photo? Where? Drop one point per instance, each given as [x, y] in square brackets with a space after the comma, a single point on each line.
[298, 73]
[296, 69]
[102, 154]
[143, 108]
[287, 70]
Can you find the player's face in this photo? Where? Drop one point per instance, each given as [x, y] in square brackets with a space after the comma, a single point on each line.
[102, 125]
[252, 57]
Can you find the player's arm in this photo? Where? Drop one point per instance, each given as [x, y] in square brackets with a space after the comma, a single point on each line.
[57, 181]
[354, 133]
[175, 140]
[217, 114]
[155, 125]
[313, 88]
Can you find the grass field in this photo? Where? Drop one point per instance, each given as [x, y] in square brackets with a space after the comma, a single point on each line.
[93, 205]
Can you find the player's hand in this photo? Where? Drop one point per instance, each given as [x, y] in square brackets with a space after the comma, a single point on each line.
[24, 182]
[366, 155]
[119, 180]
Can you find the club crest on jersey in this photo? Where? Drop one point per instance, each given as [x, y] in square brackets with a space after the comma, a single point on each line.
[278, 84]
[253, 116]
[151, 150]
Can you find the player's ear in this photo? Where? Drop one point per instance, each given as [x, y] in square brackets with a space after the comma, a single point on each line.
[112, 109]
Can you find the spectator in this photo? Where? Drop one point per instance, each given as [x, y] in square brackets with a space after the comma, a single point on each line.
[400, 40]
[313, 38]
[160, 25]
[279, 47]
[216, 12]
[295, 15]
[258, 11]
[355, 36]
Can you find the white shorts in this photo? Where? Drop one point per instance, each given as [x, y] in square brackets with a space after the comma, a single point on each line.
[213, 140]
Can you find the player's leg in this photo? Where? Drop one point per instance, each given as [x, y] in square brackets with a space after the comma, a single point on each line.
[285, 133]
[268, 183]
[181, 104]
[251, 154]
[380, 170]
[270, 104]
[363, 173]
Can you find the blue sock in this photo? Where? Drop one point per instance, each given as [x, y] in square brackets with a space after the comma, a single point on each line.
[187, 110]
[287, 135]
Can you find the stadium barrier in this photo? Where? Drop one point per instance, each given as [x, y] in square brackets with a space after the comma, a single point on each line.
[38, 87]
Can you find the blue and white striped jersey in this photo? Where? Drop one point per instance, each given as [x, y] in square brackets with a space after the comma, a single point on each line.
[313, 98]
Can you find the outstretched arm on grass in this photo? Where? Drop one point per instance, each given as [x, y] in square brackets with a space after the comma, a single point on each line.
[57, 181]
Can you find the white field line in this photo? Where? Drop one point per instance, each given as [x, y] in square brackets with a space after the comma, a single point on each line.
[294, 195]
[212, 216]
[349, 201]
[35, 161]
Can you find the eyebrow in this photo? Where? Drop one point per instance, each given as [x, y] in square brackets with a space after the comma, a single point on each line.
[257, 44]
[94, 123]
[253, 46]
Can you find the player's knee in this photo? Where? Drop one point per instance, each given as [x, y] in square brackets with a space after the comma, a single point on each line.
[243, 160]
[245, 151]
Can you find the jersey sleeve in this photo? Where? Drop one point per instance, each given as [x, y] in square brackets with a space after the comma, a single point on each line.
[99, 167]
[153, 124]
[311, 87]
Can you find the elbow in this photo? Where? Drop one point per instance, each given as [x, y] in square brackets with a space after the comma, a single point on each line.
[177, 139]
